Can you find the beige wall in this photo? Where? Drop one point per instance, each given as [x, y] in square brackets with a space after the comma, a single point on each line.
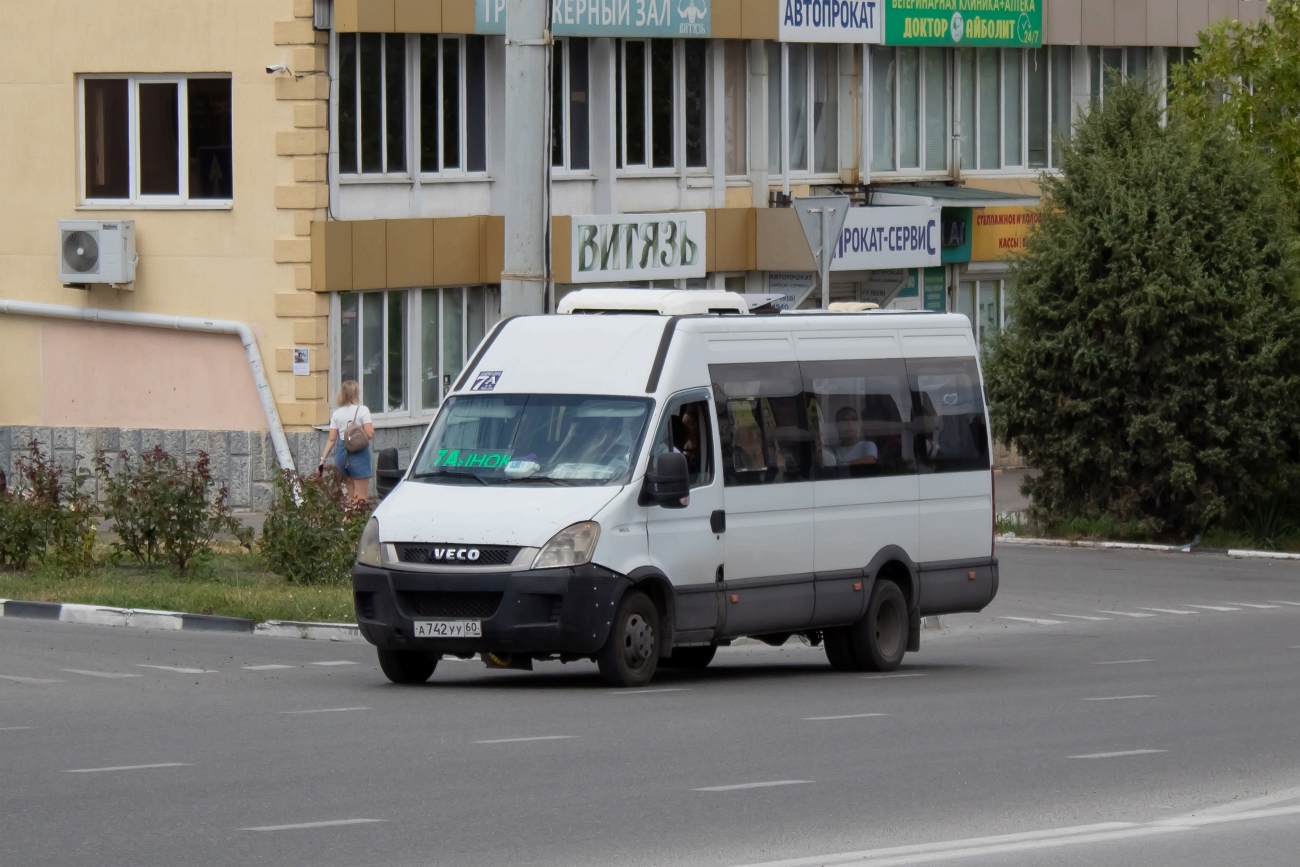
[1163, 23]
[215, 263]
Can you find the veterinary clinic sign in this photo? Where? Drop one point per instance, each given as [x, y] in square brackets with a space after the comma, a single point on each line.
[829, 20]
[975, 23]
[1000, 233]
[889, 237]
[637, 247]
[680, 18]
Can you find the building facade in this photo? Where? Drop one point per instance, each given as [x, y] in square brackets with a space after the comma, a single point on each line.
[330, 173]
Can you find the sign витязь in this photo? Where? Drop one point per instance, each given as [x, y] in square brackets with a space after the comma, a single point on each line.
[977, 23]
[623, 247]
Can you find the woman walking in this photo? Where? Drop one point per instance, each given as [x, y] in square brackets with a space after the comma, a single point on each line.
[351, 431]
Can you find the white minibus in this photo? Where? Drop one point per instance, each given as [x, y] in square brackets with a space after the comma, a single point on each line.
[652, 474]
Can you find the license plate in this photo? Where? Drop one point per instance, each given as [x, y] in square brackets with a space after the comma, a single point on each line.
[449, 629]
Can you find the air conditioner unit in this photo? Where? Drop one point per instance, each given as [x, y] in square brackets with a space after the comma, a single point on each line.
[97, 252]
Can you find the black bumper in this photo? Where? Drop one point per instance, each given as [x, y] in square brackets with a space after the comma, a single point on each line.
[542, 612]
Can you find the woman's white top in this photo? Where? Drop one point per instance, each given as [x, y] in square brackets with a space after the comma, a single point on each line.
[342, 417]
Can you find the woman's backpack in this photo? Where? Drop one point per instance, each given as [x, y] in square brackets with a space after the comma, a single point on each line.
[354, 436]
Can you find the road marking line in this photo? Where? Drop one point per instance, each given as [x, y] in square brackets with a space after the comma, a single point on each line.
[1284, 602]
[1116, 697]
[107, 674]
[739, 786]
[17, 679]
[887, 676]
[1121, 662]
[1118, 754]
[1081, 616]
[1214, 607]
[1252, 605]
[327, 710]
[337, 662]
[523, 740]
[330, 824]
[646, 691]
[842, 716]
[1037, 620]
[1124, 613]
[1169, 610]
[129, 768]
[176, 669]
[15, 728]
[264, 667]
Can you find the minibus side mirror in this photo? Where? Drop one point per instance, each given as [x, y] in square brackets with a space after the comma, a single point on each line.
[667, 482]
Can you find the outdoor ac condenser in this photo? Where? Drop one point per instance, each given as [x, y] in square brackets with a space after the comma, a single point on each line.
[97, 252]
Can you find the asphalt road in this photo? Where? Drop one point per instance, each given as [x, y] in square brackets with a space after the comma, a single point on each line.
[1109, 708]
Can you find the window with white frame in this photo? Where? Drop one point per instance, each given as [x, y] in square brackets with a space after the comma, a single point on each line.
[736, 99]
[1174, 58]
[1108, 65]
[570, 117]
[986, 303]
[453, 104]
[909, 109]
[1013, 106]
[811, 78]
[386, 339]
[372, 103]
[648, 108]
[156, 139]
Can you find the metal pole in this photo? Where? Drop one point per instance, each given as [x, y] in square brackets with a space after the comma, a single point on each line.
[785, 118]
[528, 159]
[825, 262]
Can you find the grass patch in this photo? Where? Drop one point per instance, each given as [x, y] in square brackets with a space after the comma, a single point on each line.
[232, 584]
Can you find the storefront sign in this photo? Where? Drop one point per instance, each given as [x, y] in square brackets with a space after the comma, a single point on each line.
[1000, 233]
[672, 18]
[793, 287]
[975, 23]
[829, 21]
[888, 237]
[626, 247]
[934, 290]
[956, 234]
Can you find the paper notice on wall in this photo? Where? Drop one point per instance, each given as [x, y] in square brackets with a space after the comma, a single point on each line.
[301, 361]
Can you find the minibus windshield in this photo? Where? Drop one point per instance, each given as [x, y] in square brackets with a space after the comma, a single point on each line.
[555, 439]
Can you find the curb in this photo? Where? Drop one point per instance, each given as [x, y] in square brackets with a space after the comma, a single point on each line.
[143, 618]
[1235, 553]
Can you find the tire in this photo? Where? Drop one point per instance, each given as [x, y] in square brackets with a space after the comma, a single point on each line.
[407, 666]
[839, 648]
[691, 658]
[879, 639]
[631, 652]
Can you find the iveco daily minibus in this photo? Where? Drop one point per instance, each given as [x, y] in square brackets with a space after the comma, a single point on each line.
[653, 473]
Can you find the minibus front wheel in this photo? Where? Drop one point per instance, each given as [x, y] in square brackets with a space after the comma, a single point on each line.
[631, 652]
[407, 666]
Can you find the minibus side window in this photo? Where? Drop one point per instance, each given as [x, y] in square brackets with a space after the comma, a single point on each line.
[686, 429]
[761, 423]
[859, 413]
[949, 431]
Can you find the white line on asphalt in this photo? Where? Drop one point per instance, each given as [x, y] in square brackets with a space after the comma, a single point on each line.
[129, 768]
[326, 710]
[1037, 620]
[1118, 754]
[1284, 602]
[16, 679]
[1116, 697]
[1081, 616]
[302, 825]
[522, 740]
[1125, 613]
[740, 786]
[264, 667]
[843, 716]
[1214, 607]
[888, 676]
[1294, 647]
[174, 668]
[337, 662]
[107, 674]
[1251, 605]
[15, 728]
[1169, 610]
[1121, 662]
[646, 691]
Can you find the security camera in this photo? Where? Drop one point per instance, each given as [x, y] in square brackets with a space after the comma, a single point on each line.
[279, 67]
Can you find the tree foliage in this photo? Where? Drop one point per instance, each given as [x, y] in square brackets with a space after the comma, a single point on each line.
[1150, 369]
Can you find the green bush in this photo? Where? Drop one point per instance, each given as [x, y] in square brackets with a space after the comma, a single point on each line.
[1150, 371]
[313, 529]
[165, 510]
[48, 516]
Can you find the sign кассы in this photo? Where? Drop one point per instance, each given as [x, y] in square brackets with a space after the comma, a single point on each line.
[623, 247]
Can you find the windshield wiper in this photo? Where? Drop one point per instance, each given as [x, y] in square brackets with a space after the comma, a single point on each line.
[455, 474]
[552, 479]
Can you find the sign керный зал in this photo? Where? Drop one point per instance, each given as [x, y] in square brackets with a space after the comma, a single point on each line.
[974, 23]
[646, 18]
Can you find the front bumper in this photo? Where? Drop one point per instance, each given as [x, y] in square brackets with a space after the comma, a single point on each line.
[540, 612]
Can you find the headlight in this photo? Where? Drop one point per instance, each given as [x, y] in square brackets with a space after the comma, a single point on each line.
[368, 552]
[572, 546]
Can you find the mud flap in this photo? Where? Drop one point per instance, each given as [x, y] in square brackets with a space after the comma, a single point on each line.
[914, 630]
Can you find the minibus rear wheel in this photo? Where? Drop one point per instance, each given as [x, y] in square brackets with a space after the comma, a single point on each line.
[631, 652]
[839, 648]
[407, 666]
[691, 658]
[880, 637]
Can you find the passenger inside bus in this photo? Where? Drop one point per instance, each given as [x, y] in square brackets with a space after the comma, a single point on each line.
[852, 449]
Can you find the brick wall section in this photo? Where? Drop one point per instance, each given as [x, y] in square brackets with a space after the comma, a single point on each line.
[306, 198]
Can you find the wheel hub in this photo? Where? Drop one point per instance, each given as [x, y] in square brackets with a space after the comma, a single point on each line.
[638, 641]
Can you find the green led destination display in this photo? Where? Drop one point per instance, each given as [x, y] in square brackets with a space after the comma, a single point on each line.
[967, 23]
[470, 458]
